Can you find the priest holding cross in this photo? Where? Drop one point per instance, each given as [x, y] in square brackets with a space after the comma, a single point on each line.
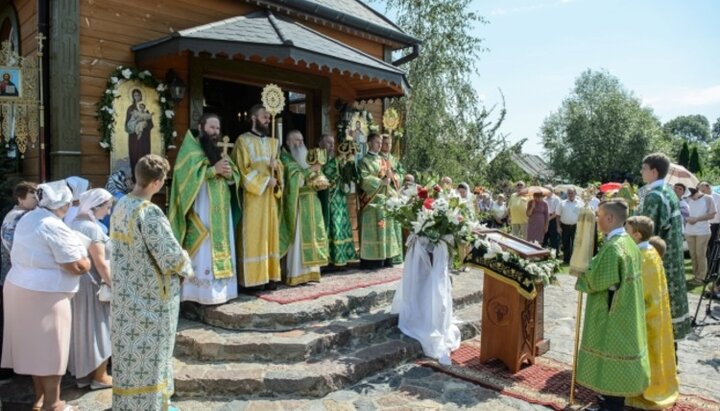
[200, 212]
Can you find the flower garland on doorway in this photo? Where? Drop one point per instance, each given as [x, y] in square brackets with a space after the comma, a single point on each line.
[105, 112]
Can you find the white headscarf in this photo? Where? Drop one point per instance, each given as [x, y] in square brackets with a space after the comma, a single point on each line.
[91, 199]
[54, 195]
[78, 185]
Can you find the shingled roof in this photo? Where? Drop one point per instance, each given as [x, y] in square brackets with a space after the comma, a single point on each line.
[264, 35]
[351, 13]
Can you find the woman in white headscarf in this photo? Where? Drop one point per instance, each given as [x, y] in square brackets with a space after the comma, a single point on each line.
[77, 185]
[90, 345]
[47, 260]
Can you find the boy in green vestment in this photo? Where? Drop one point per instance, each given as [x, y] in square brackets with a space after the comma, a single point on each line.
[661, 204]
[613, 355]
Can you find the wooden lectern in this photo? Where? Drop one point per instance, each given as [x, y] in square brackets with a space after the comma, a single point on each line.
[512, 322]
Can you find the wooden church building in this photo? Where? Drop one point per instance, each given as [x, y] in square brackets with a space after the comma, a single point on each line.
[114, 71]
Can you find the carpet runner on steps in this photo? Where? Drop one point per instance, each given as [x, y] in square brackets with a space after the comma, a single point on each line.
[332, 284]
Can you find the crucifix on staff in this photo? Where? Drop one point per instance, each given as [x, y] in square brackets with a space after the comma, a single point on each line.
[225, 145]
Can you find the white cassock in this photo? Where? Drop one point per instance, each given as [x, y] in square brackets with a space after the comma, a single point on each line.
[203, 288]
[423, 299]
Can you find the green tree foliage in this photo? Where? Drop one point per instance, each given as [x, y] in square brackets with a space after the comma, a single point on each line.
[693, 128]
[684, 157]
[600, 131]
[448, 130]
[716, 130]
[694, 165]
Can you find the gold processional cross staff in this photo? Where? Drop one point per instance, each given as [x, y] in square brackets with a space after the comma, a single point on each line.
[225, 145]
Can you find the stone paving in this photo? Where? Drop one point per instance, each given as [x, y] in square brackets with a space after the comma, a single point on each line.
[411, 387]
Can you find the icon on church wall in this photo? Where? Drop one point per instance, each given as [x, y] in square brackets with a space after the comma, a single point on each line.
[10, 82]
[137, 125]
[358, 130]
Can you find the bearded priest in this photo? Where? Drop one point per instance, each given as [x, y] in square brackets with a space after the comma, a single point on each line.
[257, 236]
[378, 239]
[200, 213]
[303, 239]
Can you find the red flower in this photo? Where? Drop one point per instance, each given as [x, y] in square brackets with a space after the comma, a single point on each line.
[437, 188]
[428, 203]
[423, 193]
[381, 224]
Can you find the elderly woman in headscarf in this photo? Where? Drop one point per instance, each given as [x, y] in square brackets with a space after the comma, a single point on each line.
[47, 261]
[77, 185]
[90, 342]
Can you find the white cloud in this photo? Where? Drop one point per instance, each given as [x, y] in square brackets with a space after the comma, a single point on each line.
[685, 97]
[528, 8]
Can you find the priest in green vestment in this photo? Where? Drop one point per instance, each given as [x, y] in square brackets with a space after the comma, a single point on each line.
[613, 357]
[200, 213]
[341, 244]
[398, 176]
[303, 239]
[378, 239]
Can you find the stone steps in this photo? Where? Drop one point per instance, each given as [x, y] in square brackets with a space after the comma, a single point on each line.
[315, 377]
[251, 313]
[202, 342]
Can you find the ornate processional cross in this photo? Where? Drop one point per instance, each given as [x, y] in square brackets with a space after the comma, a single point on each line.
[225, 144]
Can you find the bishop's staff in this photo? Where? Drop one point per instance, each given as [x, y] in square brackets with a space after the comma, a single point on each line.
[391, 121]
[274, 101]
[579, 264]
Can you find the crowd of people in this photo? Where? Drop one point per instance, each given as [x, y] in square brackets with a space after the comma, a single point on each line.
[245, 220]
[266, 213]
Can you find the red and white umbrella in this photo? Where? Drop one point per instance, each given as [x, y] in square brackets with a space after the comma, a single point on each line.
[679, 174]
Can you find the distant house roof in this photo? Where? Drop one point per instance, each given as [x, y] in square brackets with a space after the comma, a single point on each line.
[262, 34]
[351, 13]
[532, 164]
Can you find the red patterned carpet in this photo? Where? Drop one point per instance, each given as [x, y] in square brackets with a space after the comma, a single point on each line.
[332, 284]
[545, 383]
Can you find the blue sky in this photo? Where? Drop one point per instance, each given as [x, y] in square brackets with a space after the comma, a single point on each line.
[666, 52]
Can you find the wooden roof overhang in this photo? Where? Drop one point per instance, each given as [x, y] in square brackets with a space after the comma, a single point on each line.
[260, 36]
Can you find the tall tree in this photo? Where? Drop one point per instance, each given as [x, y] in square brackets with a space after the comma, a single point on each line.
[716, 130]
[694, 128]
[600, 130]
[694, 165]
[448, 130]
[684, 156]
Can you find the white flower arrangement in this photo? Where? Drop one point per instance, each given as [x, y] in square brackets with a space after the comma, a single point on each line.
[169, 113]
[161, 87]
[114, 80]
[127, 73]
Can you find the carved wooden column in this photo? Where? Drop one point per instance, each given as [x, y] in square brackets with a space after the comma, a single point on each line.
[64, 88]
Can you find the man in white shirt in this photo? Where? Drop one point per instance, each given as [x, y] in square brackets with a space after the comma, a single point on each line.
[552, 236]
[568, 215]
[715, 222]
